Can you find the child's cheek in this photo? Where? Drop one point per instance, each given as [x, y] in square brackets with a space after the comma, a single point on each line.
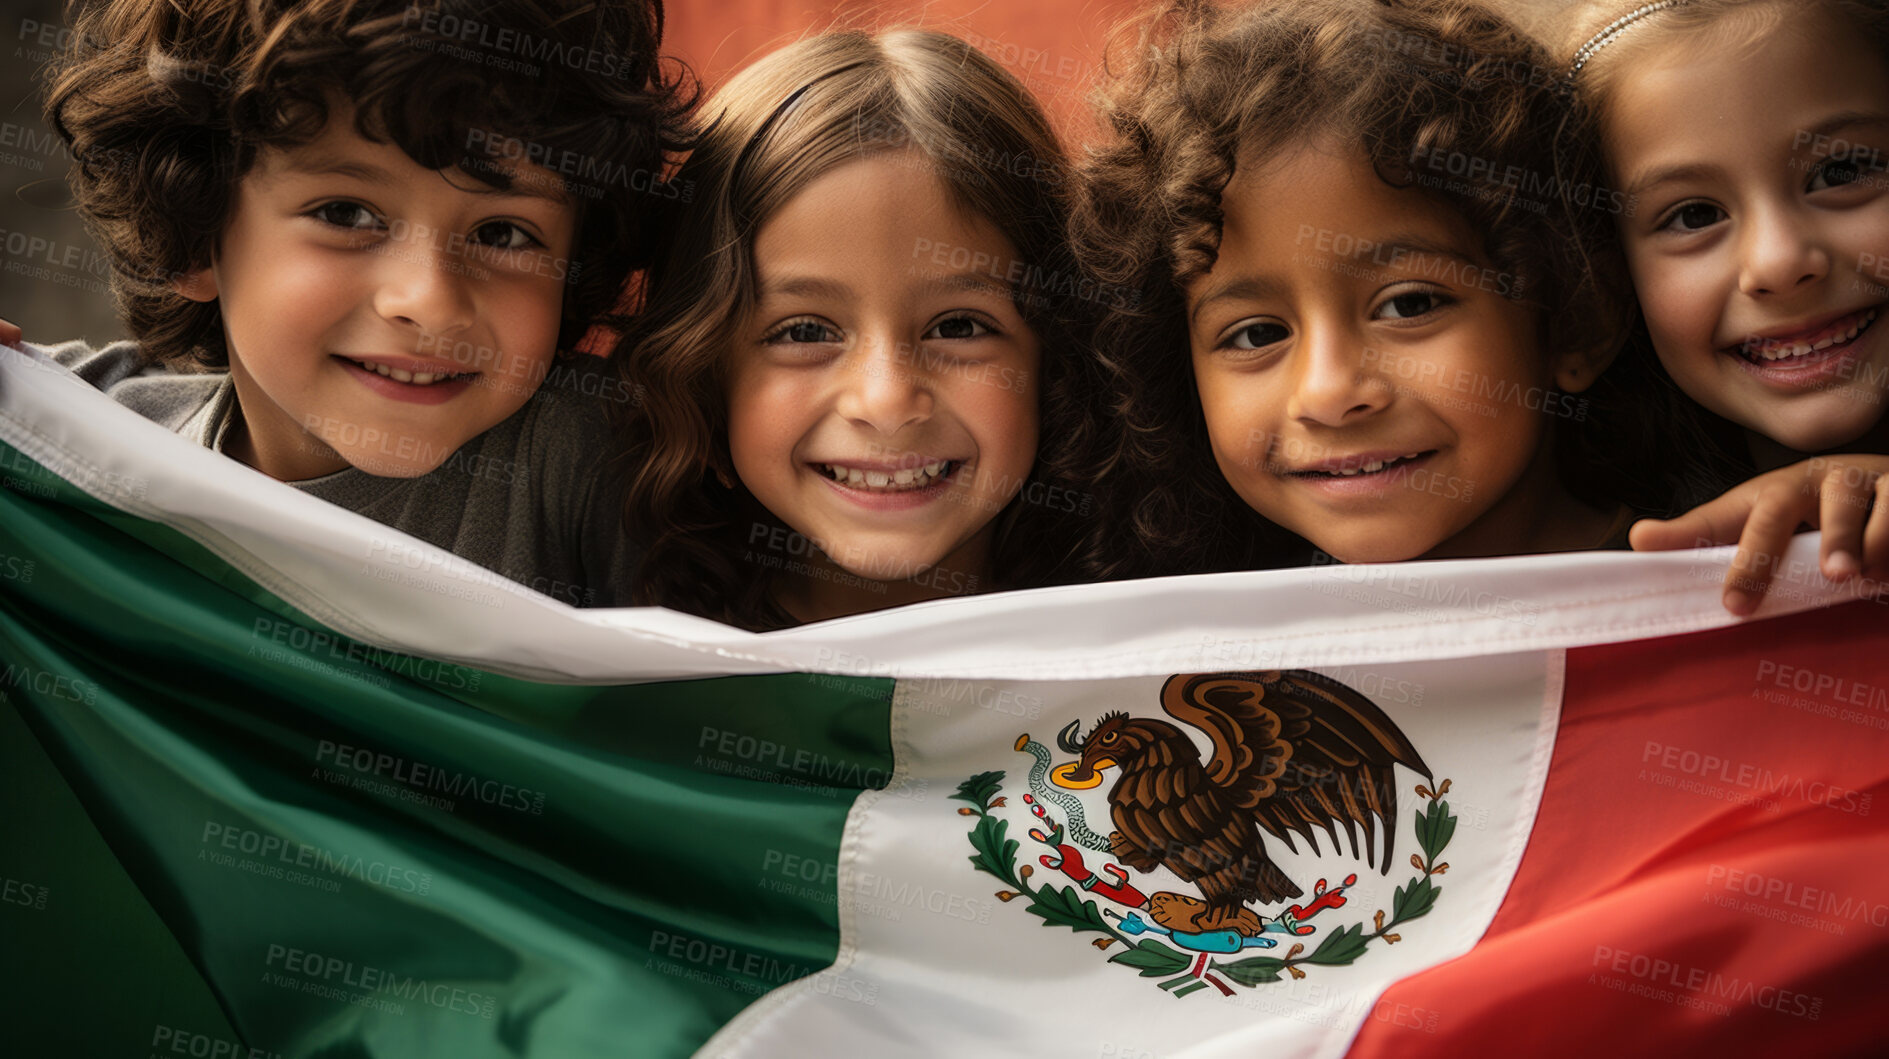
[1675, 296]
[1002, 417]
[769, 414]
[1236, 426]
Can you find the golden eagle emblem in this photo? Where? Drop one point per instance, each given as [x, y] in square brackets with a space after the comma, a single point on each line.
[1294, 753]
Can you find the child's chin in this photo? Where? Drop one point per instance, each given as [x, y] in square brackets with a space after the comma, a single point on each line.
[1838, 418]
[1353, 553]
[920, 567]
[887, 568]
[382, 466]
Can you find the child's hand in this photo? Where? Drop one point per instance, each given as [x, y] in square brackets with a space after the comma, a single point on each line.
[1833, 493]
[9, 333]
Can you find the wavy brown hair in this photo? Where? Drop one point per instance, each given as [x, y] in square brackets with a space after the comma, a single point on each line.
[1715, 452]
[1701, 24]
[165, 104]
[1411, 82]
[776, 127]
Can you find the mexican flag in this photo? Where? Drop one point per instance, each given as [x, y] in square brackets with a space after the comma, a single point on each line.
[279, 781]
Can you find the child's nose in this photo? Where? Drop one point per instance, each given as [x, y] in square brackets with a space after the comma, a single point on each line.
[424, 285]
[887, 387]
[1336, 382]
[1781, 252]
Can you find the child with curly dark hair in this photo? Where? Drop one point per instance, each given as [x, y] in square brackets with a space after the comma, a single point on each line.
[1378, 296]
[854, 343]
[350, 237]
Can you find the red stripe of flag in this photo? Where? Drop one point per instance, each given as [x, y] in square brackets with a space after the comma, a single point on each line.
[1709, 870]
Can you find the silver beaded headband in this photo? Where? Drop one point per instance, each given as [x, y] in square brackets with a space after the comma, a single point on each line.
[1612, 31]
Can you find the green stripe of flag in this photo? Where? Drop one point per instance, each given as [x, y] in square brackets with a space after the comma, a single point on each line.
[344, 850]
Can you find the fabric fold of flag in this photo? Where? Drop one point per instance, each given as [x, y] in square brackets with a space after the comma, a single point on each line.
[279, 781]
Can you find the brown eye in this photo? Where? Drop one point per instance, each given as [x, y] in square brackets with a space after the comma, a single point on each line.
[503, 235]
[807, 331]
[801, 332]
[959, 327]
[1109, 738]
[350, 215]
[1846, 170]
[1410, 305]
[1258, 336]
[1694, 216]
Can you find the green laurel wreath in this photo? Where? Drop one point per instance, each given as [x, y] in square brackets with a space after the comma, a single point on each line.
[996, 855]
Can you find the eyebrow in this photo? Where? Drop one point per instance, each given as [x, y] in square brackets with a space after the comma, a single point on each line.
[327, 165]
[1845, 120]
[833, 290]
[806, 287]
[1383, 255]
[1413, 245]
[1671, 174]
[522, 185]
[967, 282]
[1702, 170]
[1238, 288]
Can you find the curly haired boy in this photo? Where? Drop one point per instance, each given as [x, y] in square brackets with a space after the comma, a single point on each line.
[349, 238]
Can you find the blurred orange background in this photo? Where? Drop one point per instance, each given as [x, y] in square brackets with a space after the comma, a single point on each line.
[1053, 46]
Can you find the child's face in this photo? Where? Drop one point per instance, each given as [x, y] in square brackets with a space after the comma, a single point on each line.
[881, 398]
[377, 314]
[1760, 244]
[1366, 381]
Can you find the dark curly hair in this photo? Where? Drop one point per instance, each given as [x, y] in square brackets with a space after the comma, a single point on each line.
[775, 128]
[164, 106]
[1420, 86]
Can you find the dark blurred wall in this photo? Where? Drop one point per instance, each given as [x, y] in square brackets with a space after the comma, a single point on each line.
[53, 282]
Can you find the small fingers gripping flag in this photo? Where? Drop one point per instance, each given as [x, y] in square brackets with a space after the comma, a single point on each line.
[273, 787]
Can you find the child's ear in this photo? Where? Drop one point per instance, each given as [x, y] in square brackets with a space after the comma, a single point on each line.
[1576, 369]
[199, 285]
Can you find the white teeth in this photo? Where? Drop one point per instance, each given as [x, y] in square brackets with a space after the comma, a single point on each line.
[1767, 351]
[416, 378]
[1369, 467]
[886, 481]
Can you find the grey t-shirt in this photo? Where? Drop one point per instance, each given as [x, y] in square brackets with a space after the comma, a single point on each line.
[536, 498]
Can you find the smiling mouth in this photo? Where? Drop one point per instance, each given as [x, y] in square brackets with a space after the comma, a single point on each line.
[905, 480]
[411, 378]
[1766, 351]
[1361, 469]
